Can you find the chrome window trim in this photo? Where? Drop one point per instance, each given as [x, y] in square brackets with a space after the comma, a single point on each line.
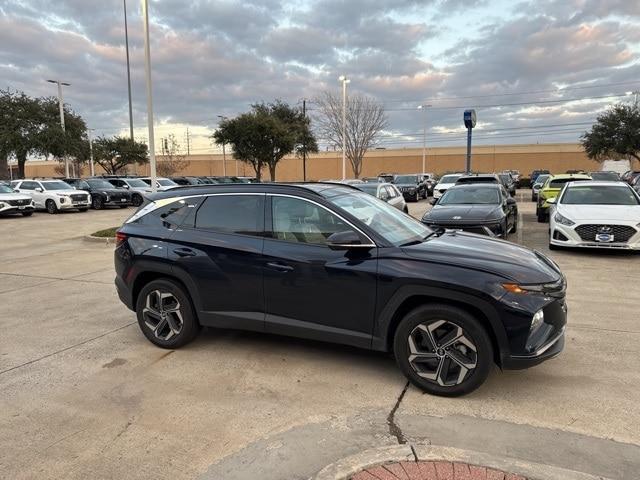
[371, 243]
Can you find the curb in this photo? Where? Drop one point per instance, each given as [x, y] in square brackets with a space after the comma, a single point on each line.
[104, 240]
[343, 469]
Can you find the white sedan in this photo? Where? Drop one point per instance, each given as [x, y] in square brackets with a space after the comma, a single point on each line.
[595, 215]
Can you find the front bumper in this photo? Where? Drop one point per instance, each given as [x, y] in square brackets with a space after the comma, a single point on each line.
[566, 236]
[491, 229]
[550, 349]
[10, 209]
[73, 205]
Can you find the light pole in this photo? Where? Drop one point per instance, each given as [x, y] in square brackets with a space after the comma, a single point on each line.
[224, 154]
[147, 70]
[91, 166]
[126, 44]
[424, 137]
[344, 81]
[61, 105]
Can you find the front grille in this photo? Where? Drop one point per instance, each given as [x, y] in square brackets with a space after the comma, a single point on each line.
[466, 228]
[18, 203]
[78, 198]
[621, 233]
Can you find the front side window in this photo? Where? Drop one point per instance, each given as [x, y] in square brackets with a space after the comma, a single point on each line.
[137, 183]
[389, 222]
[239, 214]
[165, 182]
[97, 184]
[297, 220]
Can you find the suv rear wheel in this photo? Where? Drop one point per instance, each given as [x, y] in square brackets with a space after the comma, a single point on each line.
[443, 350]
[165, 314]
[136, 200]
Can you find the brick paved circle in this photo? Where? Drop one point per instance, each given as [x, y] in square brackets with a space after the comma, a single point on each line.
[432, 471]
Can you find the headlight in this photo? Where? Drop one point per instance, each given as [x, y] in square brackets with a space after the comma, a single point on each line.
[106, 198]
[515, 288]
[561, 219]
[62, 199]
[537, 321]
[1, 205]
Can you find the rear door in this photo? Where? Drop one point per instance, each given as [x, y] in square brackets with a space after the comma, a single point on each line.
[219, 249]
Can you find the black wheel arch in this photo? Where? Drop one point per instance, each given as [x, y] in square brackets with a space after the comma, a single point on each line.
[409, 297]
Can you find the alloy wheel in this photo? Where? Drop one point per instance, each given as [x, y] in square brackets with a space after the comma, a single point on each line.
[442, 352]
[162, 314]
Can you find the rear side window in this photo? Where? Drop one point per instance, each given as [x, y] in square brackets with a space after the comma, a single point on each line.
[29, 185]
[172, 215]
[239, 214]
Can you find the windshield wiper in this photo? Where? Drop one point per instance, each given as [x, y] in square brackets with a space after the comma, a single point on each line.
[437, 231]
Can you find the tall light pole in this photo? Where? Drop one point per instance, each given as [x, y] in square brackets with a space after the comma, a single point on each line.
[424, 137]
[61, 105]
[344, 81]
[126, 45]
[91, 166]
[224, 154]
[147, 70]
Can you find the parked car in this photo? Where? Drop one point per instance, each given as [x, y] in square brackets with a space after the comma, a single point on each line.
[161, 183]
[188, 180]
[430, 181]
[507, 182]
[487, 209]
[605, 176]
[372, 180]
[598, 214]
[103, 194]
[478, 178]
[537, 185]
[14, 202]
[53, 195]
[387, 177]
[331, 263]
[387, 192]
[551, 189]
[138, 188]
[411, 186]
[535, 173]
[226, 180]
[248, 179]
[629, 176]
[515, 175]
[445, 182]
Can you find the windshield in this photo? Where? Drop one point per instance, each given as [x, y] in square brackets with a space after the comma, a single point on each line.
[482, 196]
[599, 195]
[56, 186]
[370, 188]
[559, 182]
[605, 176]
[98, 184]
[541, 179]
[165, 182]
[450, 178]
[406, 179]
[137, 183]
[393, 225]
[5, 189]
[505, 178]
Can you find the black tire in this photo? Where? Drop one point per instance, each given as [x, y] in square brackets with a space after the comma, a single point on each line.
[51, 207]
[190, 326]
[515, 223]
[406, 210]
[533, 198]
[97, 203]
[416, 198]
[27, 214]
[136, 200]
[541, 215]
[473, 331]
[82, 210]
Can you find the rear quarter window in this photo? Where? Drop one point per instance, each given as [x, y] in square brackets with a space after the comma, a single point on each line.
[173, 215]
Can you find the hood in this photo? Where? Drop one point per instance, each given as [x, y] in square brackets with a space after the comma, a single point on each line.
[411, 184]
[601, 213]
[14, 196]
[440, 186]
[510, 261]
[467, 213]
[71, 191]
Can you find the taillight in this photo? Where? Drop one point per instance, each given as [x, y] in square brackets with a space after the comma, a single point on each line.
[120, 238]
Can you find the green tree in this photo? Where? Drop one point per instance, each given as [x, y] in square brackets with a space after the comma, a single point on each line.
[116, 153]
[263, 136]
[615, 135]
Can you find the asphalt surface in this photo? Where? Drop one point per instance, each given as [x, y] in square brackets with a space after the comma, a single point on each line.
[84, 395]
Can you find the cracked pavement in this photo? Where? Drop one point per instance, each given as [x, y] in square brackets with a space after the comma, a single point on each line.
[84, 395]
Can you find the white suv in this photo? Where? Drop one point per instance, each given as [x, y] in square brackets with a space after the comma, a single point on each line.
[13, 202]
[53, 195]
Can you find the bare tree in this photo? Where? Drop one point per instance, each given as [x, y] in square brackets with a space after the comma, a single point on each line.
[172, 160]
[366, 119]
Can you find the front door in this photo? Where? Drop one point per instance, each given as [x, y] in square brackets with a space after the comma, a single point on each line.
[29, 187]
[311, 290]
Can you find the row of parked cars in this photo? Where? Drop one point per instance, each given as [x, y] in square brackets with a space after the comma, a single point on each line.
[62, 194]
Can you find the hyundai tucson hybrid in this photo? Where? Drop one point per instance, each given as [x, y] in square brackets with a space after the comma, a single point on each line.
[331, 263]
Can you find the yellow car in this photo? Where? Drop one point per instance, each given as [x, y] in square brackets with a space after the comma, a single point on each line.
[552, 188]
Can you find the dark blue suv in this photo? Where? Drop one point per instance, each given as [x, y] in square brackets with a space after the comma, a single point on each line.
[328, 262]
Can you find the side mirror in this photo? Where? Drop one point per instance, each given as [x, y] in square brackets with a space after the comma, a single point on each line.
[38, 189]
[433, 201]
[552, 200]
[511, 201]
[16, 190]
[345, 240]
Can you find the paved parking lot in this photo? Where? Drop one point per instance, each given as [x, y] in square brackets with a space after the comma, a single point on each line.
[84, 395]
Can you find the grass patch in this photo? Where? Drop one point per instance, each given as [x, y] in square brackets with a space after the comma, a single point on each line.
[106, 233]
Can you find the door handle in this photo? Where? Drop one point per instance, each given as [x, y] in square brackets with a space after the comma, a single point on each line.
[184, 252]
[280, 267]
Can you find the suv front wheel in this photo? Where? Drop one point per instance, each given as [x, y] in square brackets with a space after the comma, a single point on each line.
[443, 350]
[166, 315]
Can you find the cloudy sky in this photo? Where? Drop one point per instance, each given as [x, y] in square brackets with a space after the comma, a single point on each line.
[536, 71]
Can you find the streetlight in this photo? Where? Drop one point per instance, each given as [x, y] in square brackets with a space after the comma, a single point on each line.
[344, 81]
[424, 137]
[147, 70]
[126, 44]
[61, 105]
[224, 154]
[91, 166]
